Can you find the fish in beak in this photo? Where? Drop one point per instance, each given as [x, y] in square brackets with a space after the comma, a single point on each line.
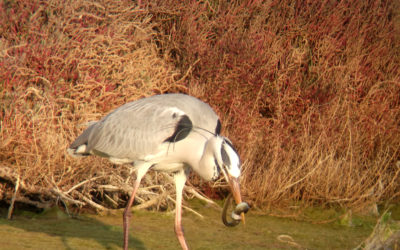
[235, 188]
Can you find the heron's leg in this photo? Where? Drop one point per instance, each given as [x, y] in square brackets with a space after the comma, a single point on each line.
[180, 179]
[141, 171]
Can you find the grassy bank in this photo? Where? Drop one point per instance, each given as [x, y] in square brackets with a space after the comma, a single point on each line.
[150, 230]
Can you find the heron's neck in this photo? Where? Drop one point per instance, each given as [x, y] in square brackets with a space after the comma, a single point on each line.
[206, 164]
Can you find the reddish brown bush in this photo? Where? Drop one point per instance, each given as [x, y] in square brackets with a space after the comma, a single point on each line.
[308, 91]
[64, 64]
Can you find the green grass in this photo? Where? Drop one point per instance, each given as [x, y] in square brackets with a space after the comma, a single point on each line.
[154, 230]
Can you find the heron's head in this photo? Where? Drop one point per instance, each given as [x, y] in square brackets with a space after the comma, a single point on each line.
[227, 161]
[218, 156]
[226, 158]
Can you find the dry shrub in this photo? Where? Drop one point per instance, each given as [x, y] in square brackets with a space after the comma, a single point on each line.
[64, 64]
[308, 91]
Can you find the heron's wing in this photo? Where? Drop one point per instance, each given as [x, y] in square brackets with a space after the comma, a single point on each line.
[138, 130]
[79, 146]
[142, 129]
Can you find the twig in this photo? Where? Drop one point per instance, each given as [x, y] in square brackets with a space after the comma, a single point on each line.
[127, 189]
[11, 208]
[64, 196]
[199, 196]
[82, 183]
[34, 203]
[187, 72]
[185, 207]
[111, 200]
[90, 202]
[94, 204]
[146, 204]
[289, 240]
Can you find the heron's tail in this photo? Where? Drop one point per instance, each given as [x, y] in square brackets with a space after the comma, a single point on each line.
[79, 147]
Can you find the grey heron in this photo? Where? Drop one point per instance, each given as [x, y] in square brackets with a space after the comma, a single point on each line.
[175, 133]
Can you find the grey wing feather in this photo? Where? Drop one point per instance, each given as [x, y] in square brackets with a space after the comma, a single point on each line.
[132, 133]
[138, 129]
[82, 140]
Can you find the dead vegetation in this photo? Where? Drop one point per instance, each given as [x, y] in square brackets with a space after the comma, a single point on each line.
[66, 64]
[308, 92]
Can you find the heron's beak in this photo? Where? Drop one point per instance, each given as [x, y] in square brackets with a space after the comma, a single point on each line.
[235, 188]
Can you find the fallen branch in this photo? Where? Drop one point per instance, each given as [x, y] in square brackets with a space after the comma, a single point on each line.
[187, 208]
[65, 197]
[199, 196]
[153, 194]
[82, 183]
[147, 204]
[92, 203]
